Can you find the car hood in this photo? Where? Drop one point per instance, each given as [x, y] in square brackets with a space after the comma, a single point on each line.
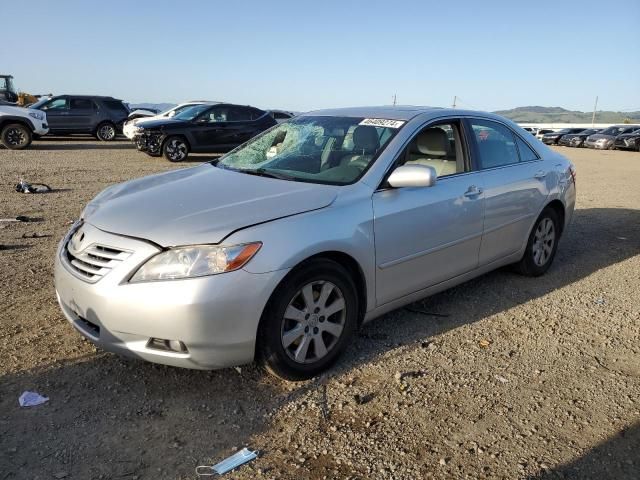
[629, 135]
[598, 136]
[199, 205]
[155, 124]
[21, 111]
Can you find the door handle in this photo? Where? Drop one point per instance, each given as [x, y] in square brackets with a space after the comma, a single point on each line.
[540, 174]
[472, 192]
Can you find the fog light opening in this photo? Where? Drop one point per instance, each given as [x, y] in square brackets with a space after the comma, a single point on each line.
[167, 345]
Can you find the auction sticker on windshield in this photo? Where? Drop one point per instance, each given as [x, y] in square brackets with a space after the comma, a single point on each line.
[382, 122]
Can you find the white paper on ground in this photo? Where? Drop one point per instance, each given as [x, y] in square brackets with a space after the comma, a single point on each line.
[31, 399]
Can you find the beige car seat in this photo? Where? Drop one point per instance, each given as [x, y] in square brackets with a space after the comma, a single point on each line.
[431, 147]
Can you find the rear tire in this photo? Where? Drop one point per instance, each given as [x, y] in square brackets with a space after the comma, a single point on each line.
[106, 132]
[16, 136]
[541, 246]
[175, 149]
[309, 321]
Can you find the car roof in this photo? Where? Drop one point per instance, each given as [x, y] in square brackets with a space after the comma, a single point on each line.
[400, 112]
[99, 97]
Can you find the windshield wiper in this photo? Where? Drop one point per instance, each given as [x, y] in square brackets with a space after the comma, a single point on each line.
[263, 172]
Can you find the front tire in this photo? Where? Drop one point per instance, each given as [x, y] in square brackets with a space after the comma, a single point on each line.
[106, 132]
[542, 245]
[175, 149]
[309, 321]
[16, 136]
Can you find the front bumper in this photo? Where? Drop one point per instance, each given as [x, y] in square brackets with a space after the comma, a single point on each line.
[215, 317]
[149, 142]
[40, 128]
[598, 145]
[129, 130]
[550, 141]
[627, 143]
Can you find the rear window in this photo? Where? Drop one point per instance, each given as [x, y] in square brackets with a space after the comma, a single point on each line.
[116, 106]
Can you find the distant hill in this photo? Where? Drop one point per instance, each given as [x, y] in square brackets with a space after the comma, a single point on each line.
[537, 114]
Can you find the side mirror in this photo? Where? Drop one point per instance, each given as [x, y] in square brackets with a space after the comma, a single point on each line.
[413, 176]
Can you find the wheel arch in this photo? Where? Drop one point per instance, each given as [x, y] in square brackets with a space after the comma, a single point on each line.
[6, 120]
[343, 259]
[558, 207]
[171, 135]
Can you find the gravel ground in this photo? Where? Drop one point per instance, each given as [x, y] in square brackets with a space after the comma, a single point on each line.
[517, 377]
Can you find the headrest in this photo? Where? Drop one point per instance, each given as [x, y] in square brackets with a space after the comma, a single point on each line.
[365, 137]
[433, 141]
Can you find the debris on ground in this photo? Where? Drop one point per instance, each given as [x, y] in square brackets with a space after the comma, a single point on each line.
[501, 379]
[362, 399]
[35, 235]
[19, 218]
[484, 343]
[31, 399]
[26, 187]
[239, 458]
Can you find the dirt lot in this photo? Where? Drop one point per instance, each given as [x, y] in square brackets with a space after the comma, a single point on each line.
[523, 378]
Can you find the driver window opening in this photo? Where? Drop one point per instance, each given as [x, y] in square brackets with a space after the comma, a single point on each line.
[438, 146]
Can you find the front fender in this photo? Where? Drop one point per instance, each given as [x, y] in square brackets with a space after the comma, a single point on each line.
[345, 227]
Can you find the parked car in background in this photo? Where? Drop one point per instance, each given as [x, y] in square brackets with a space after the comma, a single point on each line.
[130, 125]
[542, 132]
[142, 113]
[628, 141]
[605, 139]
[531, 130]
[201, 129]
[100, 116]
[19, 125]
[281, 115]
[577, 139]
[552, 138]
[276, 238]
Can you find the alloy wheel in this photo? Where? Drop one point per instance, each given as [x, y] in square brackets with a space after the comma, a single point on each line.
[16, 137]
[176, 150]
[313, 321]
[543, 241]
[107, 132]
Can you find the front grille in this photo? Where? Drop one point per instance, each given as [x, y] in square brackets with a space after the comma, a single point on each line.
[95, 261]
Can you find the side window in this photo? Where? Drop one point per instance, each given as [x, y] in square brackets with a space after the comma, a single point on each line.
[57, 104]
[81, 104]
[495, 142]
[239, 114]
[116, 106]
[438, 146]
[526, 152]
[281, 116]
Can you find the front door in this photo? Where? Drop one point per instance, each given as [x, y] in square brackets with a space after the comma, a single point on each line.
[424, 236]
[57, 111]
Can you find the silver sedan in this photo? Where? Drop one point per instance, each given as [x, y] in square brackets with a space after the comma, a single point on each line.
[282, 248]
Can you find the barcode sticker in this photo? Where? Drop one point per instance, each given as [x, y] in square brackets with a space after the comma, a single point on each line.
[382, 122]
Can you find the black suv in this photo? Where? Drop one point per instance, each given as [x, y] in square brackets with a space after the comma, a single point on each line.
[207, 128]
[99, 116]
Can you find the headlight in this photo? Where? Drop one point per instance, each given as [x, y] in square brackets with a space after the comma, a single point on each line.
[195, 261]
[37, 115]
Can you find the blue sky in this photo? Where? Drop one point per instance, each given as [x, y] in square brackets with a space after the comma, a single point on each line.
[302, 55]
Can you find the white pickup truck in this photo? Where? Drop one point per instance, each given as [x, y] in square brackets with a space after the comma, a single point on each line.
[18, 125]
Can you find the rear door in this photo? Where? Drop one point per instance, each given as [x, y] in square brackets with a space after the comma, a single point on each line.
[223, 127]
[81, 113]
[515, 187]
[424, 236]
